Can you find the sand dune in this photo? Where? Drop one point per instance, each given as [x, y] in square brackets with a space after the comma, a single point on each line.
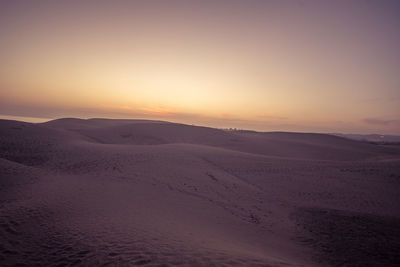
[135, 192]
[282, 144]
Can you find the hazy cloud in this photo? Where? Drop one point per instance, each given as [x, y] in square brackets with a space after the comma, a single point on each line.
[377, 121]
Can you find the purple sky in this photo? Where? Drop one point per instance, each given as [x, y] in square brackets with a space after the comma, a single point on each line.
[321, 66]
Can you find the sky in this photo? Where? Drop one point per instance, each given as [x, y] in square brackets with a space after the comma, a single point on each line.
[306, 66]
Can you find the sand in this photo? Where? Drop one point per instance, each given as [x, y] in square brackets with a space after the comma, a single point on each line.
[104, 192]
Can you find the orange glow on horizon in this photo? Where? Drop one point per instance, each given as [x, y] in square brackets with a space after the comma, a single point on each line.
[267, 66]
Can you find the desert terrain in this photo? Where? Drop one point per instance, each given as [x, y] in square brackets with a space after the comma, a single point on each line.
[103, 192]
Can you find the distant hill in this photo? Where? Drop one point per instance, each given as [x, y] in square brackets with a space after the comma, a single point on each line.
[376, 138]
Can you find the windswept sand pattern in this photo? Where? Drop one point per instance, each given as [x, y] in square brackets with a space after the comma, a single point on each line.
[350, 238]
[24, 244]
[130, 192]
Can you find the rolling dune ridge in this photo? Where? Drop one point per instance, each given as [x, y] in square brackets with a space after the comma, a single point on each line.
[102, 192]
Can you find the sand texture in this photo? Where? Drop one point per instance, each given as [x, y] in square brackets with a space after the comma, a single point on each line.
[104, 192]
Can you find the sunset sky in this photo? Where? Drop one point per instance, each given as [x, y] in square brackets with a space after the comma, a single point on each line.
[319, 66]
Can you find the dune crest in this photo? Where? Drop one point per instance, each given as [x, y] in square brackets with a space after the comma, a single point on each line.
[138, 192]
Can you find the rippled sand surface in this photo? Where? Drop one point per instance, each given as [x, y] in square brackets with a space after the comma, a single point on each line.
[130, 192]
